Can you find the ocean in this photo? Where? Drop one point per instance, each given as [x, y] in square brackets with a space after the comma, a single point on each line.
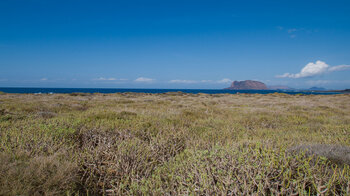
[125, 90]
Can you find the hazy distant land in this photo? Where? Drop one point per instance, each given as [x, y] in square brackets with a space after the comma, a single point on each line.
[257, 85]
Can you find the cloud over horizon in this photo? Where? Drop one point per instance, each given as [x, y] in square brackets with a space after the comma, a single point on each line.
[314, 69]
[109, 79]
[183, 81]
[225, 80]
[143, 79]
[105, 79]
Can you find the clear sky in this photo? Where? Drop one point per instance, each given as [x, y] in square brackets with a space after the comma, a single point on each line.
[174, 43]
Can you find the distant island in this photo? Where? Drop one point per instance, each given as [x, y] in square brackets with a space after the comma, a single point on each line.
[247, 85]
[256, 85]
[315, 88]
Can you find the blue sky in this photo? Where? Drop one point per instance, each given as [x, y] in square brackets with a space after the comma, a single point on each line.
[174, 44]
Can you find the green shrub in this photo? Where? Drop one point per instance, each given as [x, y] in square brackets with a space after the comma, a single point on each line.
[174, 144]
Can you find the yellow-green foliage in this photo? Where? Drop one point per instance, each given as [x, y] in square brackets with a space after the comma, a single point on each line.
[172, 143]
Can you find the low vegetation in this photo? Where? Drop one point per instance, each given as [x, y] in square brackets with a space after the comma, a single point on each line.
[174, 144]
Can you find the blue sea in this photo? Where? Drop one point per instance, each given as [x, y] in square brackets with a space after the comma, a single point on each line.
[124, 90]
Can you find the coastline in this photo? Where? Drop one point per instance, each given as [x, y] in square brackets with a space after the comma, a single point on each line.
[153, 91]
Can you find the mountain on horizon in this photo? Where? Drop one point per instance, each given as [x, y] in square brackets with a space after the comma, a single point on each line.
[247, 85]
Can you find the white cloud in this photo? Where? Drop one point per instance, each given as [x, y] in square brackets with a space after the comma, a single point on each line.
[292, 30]
[109, 79]
[183, 81]
[339, 68]
[43, 79]
[222, 81]
[314, 69]
[225, 80]
[143, 79]
[105, 79]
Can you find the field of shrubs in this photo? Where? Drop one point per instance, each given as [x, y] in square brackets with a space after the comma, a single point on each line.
[174, 144]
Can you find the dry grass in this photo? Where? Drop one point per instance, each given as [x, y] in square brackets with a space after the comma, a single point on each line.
[335, 153]
[174, 144]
